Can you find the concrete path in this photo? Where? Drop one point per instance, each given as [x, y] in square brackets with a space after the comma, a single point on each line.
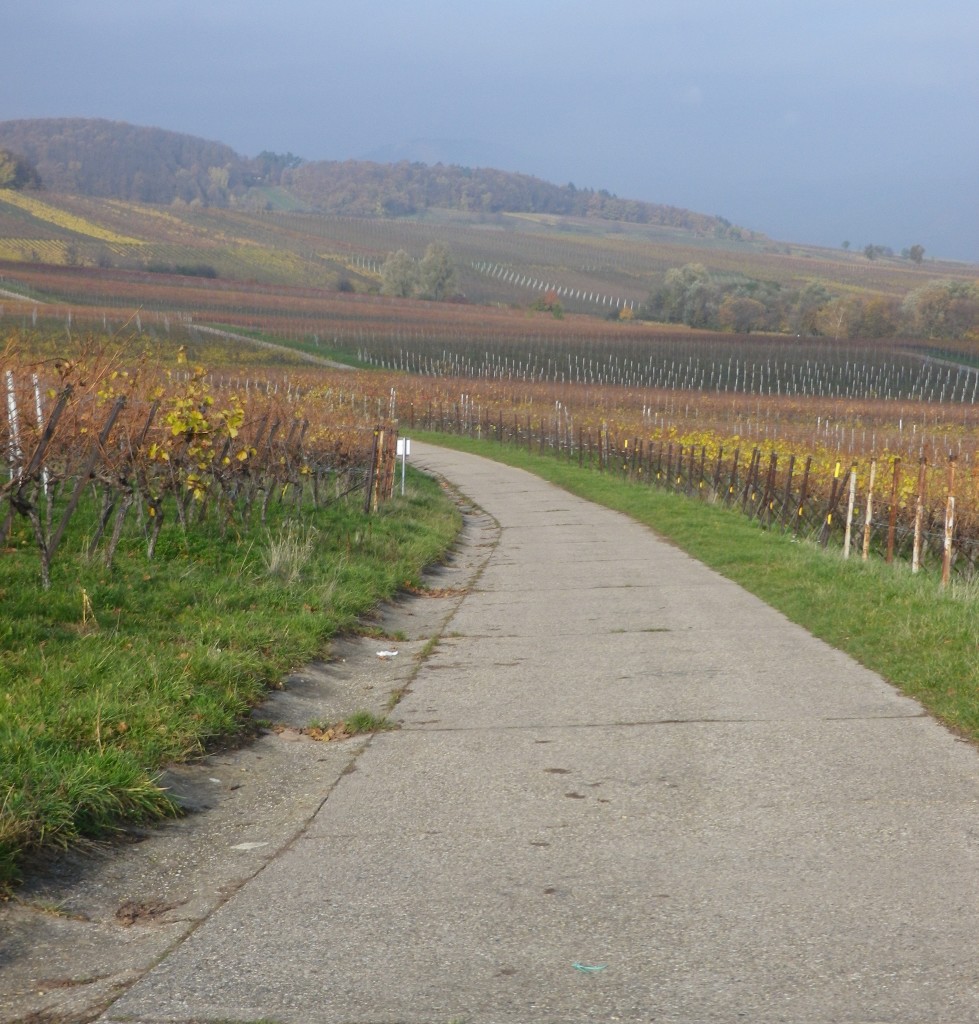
[624, 790]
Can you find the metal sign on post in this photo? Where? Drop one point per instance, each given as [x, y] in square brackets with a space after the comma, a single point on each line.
[404, 450]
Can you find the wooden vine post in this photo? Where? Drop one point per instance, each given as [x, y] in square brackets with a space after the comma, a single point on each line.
[374, 472]
[892, 512]
[716, 485]
[949, 523]
[834, 497]
[919, 515]
[751, 483]
[869, 513]
[803, 494]
[787, 498]
[768, 498]
[733, 482]
[851, 501]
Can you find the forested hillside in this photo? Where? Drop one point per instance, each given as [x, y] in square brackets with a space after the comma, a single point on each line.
[109, 159]
[112, 160]
[362, 188]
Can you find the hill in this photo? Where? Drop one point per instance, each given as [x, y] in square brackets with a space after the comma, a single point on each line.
[515, 241]
[404, 189]
[115, 160]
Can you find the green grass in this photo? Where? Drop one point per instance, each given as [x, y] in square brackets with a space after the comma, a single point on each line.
[307, 345]
[923, 639]
[183, 647]
[179, 651]
[365, 722]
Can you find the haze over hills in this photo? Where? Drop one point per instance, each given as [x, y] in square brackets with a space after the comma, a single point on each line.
[461, 152]
[122, 199]
[110, 159]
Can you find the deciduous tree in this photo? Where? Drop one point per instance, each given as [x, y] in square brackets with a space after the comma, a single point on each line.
[688, 295]
[941, 309]
[806, 315]
[16, 172]
[740, 314]
[436, 273]
[399, 275]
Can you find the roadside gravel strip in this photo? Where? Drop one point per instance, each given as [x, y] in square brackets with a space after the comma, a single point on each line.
[80, 933]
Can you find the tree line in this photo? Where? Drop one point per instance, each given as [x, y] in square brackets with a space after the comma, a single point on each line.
[16, 172]
[431, 277]
[362, 188]
[693, 296]
[110, 159]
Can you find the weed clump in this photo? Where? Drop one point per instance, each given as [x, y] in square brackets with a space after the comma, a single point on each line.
[288, 551]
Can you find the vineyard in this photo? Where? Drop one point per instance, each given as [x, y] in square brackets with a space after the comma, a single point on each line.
[171, 546]
[149, 447]
[767, 425]
[761, 366]
[499, 343]
[772, 416]
[194, 496]
[595, 267]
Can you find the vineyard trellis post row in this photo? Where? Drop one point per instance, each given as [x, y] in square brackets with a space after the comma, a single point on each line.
[811, 500]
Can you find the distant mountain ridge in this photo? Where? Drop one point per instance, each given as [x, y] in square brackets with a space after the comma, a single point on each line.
[112, 159]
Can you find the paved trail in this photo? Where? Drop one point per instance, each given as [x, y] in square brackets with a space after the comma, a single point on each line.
[614, 759]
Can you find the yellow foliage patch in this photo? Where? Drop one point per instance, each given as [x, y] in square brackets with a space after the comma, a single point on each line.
[63, 219]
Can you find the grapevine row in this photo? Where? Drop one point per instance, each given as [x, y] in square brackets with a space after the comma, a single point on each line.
[171, 448]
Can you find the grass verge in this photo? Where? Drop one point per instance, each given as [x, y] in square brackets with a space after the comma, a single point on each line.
[111, 675]
[921, 638]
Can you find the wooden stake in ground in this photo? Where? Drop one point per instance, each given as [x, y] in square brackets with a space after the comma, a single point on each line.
[892, 512]
[949, 524]
[834, 498]
[919, 515]
[869, 515]
[851, 501]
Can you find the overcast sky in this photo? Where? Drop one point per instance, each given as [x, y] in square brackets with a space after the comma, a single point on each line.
[811, 120]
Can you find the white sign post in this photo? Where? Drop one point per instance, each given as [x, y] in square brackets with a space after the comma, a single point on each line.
[404, 450]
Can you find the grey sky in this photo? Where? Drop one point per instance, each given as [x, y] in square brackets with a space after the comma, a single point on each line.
[810, 120]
